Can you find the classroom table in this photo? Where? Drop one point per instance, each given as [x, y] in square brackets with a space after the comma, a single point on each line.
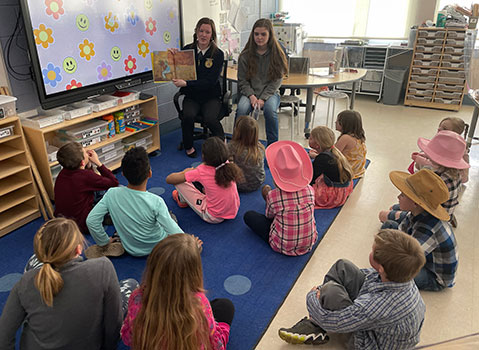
[310, 82]
[472, 125]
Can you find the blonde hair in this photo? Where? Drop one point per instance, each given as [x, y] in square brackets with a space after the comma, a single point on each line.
[171, 316]
[246, 138]
[400, 255]
[54, 244]
[457, 124]
[324, 137]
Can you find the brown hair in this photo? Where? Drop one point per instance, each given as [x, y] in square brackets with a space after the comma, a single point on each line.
[210, 22]
[171, 316]
[324, 137]
[215, 154]
[70, 155]
[458, 125]
[54, 245]
[400, 254]
[246, 138]
[278, 66]
[351, 124]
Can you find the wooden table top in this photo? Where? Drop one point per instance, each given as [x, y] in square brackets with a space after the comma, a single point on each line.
[309, 80]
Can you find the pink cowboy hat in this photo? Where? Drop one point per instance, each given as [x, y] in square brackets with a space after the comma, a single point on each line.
[446, 148]
[290, 165]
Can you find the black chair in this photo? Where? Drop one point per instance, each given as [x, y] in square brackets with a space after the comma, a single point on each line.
[226, 107]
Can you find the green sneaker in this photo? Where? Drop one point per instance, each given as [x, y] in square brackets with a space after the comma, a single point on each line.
[304, 332]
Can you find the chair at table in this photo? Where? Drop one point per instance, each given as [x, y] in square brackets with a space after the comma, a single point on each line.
[330, 95]
[226, 108]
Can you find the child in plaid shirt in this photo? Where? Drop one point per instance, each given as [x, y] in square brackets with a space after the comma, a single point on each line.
[288, 226]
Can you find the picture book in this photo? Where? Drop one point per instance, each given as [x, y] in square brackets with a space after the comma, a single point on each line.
[168, 65]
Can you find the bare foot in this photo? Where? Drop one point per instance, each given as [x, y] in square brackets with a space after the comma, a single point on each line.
[383, 215]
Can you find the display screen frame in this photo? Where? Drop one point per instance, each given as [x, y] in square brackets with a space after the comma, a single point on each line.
[52, 100]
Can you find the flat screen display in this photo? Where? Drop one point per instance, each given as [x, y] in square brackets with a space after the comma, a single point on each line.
[90, 44]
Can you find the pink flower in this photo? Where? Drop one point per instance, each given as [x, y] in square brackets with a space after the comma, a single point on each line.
[130, 64]
[54, 8]
[150, 26]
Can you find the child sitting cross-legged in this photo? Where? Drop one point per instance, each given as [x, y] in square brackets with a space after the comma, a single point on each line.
[288, 226]
[381, 306]
[218, 199]
[422, 194]
[248, 153]
[332, 173]
[77, 183]
[141, 218]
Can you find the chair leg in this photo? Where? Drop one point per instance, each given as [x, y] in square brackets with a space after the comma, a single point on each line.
[297, 119]
[327, 115]
[332, 112]
[315, 109]
[292, 121]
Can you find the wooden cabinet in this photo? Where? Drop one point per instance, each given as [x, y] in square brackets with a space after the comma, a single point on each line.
[19, 200]
[437, 77]
[38, 138]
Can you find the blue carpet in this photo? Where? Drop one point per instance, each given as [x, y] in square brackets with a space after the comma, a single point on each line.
[237, 264]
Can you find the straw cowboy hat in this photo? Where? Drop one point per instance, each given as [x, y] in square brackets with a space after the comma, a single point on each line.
[425, 188]
[290, 165]
[446, 148]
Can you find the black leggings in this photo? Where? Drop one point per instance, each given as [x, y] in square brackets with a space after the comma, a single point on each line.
[223, 310]
[259, 223]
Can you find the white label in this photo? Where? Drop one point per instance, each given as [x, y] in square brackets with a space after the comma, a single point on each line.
[95, 131]
[5, 133]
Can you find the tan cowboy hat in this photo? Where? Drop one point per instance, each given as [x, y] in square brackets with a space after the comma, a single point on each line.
[425, 188]
[290, 165]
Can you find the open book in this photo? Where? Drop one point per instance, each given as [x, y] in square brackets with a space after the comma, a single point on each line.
[168, 66]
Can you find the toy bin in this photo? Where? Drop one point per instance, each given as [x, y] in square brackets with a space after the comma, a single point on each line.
[87, 130]
[110, 147]
[138, 140]
[7, 106]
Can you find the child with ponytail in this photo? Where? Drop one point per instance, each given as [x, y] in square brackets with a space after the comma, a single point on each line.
[218, 177]
[66, 303]
[170, 310]
[332, 173]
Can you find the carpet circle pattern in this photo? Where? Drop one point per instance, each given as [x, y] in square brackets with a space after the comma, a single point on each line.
[157, 190]
[237, 284]
[8, 281]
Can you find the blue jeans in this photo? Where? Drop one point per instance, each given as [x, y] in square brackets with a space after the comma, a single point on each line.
[270, 111]
[426, 280]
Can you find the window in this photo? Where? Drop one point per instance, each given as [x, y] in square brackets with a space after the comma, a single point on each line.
[350, 18]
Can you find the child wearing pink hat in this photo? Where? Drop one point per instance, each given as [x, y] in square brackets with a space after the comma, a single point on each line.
[288, 225]
[444, 154]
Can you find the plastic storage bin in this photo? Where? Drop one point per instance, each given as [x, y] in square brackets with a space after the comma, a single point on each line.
[424, 78]
[456, 35]
[144, 140]
[446, 101]
[6, 132]
[419, 98]
[424, 41]
[87, 130]
[7, 106]
[108, 148]
[112, 156]
[429, 71]
[431, 34]
[418, 85]
[428, 49]
[55, 170]
[420, 92]
[451, 95]
[449, 49]
[452, 73]
[426, 63]
[451, 80]
[452, 64]
[450, 87]
[427, 56]
[52, 153]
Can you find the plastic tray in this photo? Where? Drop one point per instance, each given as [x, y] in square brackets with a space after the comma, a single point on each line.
[55, 170]
[450, 87]
[111, 161]
[457, 35]
[77, 109]
[6, 132]
[449, 49]
[446, 101]
[426, 63]
[417, 85]
[452, 73]
[449, 57]
[108, 156]
[88, 129]
[455, 42]
[7, 106]
[431, 34]
[429, 71]
[451, 95]
[420, 92]
[428, 49]
[452, 64]
[424, 78]
[427, 56]
[451, 80]
[137, 140]
[419, 98]
[434, 41]
[108, 148]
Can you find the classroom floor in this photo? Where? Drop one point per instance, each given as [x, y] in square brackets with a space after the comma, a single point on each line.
[391, 136]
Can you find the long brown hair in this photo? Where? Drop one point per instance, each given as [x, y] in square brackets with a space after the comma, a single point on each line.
[324, 137]
[171, 316]
[54, 245]
[216, 154]
[246, 138]
[278, 66]
[210, 22]
[351, 124]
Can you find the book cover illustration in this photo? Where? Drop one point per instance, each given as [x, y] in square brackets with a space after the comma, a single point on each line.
[168, 66]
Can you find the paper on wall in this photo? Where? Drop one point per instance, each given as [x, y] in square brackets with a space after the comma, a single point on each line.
[233, 12]
[241, 20]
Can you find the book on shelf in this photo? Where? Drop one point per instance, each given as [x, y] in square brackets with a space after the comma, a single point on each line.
[168, 65]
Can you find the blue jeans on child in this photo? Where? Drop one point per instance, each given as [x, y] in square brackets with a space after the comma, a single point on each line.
[270, 111]
[426, 280]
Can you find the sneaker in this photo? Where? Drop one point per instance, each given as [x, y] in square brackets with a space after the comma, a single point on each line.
[176, 197]
[304, 332]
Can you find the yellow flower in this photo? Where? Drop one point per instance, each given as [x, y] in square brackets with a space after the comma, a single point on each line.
[111, 23]
[43, 36]
[143, 48]
[86, 50]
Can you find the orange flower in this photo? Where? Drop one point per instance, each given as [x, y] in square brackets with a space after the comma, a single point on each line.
[43, 36]
[143, 48]
[111, 23]
[86, 49]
